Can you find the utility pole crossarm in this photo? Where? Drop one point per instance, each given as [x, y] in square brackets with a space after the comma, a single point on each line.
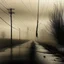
[11, 11]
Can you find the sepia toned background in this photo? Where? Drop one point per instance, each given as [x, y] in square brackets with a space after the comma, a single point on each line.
[25, 18]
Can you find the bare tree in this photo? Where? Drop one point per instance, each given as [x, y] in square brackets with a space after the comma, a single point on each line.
[57, 24]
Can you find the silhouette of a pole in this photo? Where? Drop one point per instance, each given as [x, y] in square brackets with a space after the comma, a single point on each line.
[11, 12]
[19, 41]
[19, 33]
[28, 32]
[37, 19]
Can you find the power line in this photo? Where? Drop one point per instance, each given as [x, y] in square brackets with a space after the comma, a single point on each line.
[3, 6]
[22, 2]
[20, 21]
[6, 13]
[26, 6]
[3, 19]
[3, 11]
[6, 2]
[7, 23]
[30, 4]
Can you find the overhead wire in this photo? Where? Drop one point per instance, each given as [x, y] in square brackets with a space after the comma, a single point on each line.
[7, 23]
[21, 20]
[3, 5]
[4, 12]
[26, 7]
[5, 2]
[30, 4]
[6, 8]
[8, 14]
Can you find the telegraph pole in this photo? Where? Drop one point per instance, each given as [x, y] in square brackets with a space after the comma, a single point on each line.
[28, 32]
[19, 33]
[37, 19]
[19, 41]
[11, 12]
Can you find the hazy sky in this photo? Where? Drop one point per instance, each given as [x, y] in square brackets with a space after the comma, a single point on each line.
[25, 18]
